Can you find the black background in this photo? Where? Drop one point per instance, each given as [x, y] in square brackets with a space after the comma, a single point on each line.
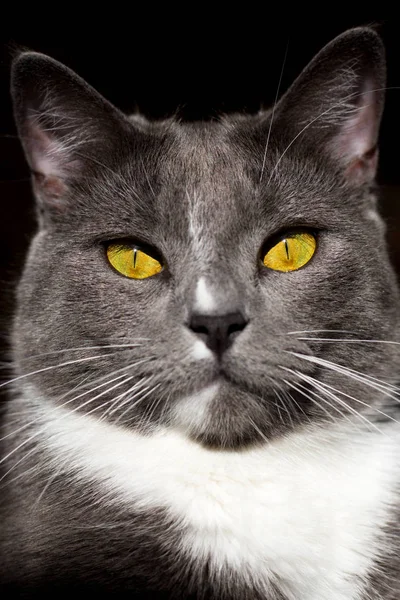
[198, 70]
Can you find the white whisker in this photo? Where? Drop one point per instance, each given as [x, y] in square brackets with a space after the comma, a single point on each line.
[299, 387]
[44, 369]
[294, 401]
[108, 381]
[151, 390]
[326, 389]
[273, 111]
[376, 384]
[283, 404]
[322, 331]
[262, 436]
[349, 340]
[79, 348]
[22, 459]
[278, 408]
[136, 386]
[56, 408]
[147, 416]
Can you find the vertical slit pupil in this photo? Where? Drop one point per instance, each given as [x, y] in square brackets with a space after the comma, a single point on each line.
[287, 249]
[134, 258]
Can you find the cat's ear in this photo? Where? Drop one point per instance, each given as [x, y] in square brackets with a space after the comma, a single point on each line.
[336, 103]
[63, 123]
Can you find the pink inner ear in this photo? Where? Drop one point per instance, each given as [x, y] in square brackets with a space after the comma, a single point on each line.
[48, 187]
[50, 162]
[356, 143]
[45, 154]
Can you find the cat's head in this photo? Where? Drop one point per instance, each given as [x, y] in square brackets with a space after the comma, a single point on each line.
[194, 275]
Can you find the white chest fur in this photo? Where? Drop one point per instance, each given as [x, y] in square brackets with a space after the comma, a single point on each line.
[304, 510]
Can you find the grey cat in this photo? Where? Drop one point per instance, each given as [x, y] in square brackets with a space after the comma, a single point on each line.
[205, 347]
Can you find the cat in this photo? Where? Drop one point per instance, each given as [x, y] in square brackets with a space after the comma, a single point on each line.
[205, 346]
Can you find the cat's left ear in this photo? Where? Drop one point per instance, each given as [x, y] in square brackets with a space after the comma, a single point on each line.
[336, 103]
[65, 126]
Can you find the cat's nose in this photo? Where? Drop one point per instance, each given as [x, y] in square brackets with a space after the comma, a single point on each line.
[219, 331]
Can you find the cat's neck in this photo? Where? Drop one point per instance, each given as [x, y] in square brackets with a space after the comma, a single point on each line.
[241, 508]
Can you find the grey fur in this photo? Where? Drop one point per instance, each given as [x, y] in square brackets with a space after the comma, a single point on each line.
[124, 178]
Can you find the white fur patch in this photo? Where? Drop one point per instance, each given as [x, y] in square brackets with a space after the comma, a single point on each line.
[200, 241]
[201, 351]
[305, 509]
[191, 412]
[204, 302]
[372, 215]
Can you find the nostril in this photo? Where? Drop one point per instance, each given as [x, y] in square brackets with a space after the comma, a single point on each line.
[236, 327]
[199, 324]
[219, 331]
[201, 329]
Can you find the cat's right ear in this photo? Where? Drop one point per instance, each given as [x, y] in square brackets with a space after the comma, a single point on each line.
[65, 125]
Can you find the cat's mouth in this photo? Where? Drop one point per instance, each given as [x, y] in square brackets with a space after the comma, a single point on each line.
[224, 376]
[223, 413]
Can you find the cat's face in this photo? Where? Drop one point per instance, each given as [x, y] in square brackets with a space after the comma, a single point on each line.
[214, 342]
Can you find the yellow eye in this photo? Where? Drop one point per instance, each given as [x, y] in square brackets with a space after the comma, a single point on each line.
[291, 253]
[132, 262]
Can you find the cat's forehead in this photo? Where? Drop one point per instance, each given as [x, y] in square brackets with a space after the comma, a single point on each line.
[218, 173]
[205, 153]
[202, 178]
[209, 179]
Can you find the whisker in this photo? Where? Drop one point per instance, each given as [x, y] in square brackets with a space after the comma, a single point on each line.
[39, 431]
[322, 331]
[24, 474]
[325, 389]
[294, 401]
[306, 393]
[26, 425]
[273, 111]
[257, 429]
[341, 403]
[50, 480]
[126, 367]
[4, 458]
[283, 404]
[79, 348]
[107, 391]
[151, 390]
[136, 386]
[27, 410]
[350, 340]
[21, 445]
[278, 408]
[163, 418]
[112, 400]
[115, 402]
[149, 413]
[325, 385]
[44, 369]
[373, 382]
[22, 459]
[62, 466]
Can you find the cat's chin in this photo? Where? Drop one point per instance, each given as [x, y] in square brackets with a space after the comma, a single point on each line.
[224, 415]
